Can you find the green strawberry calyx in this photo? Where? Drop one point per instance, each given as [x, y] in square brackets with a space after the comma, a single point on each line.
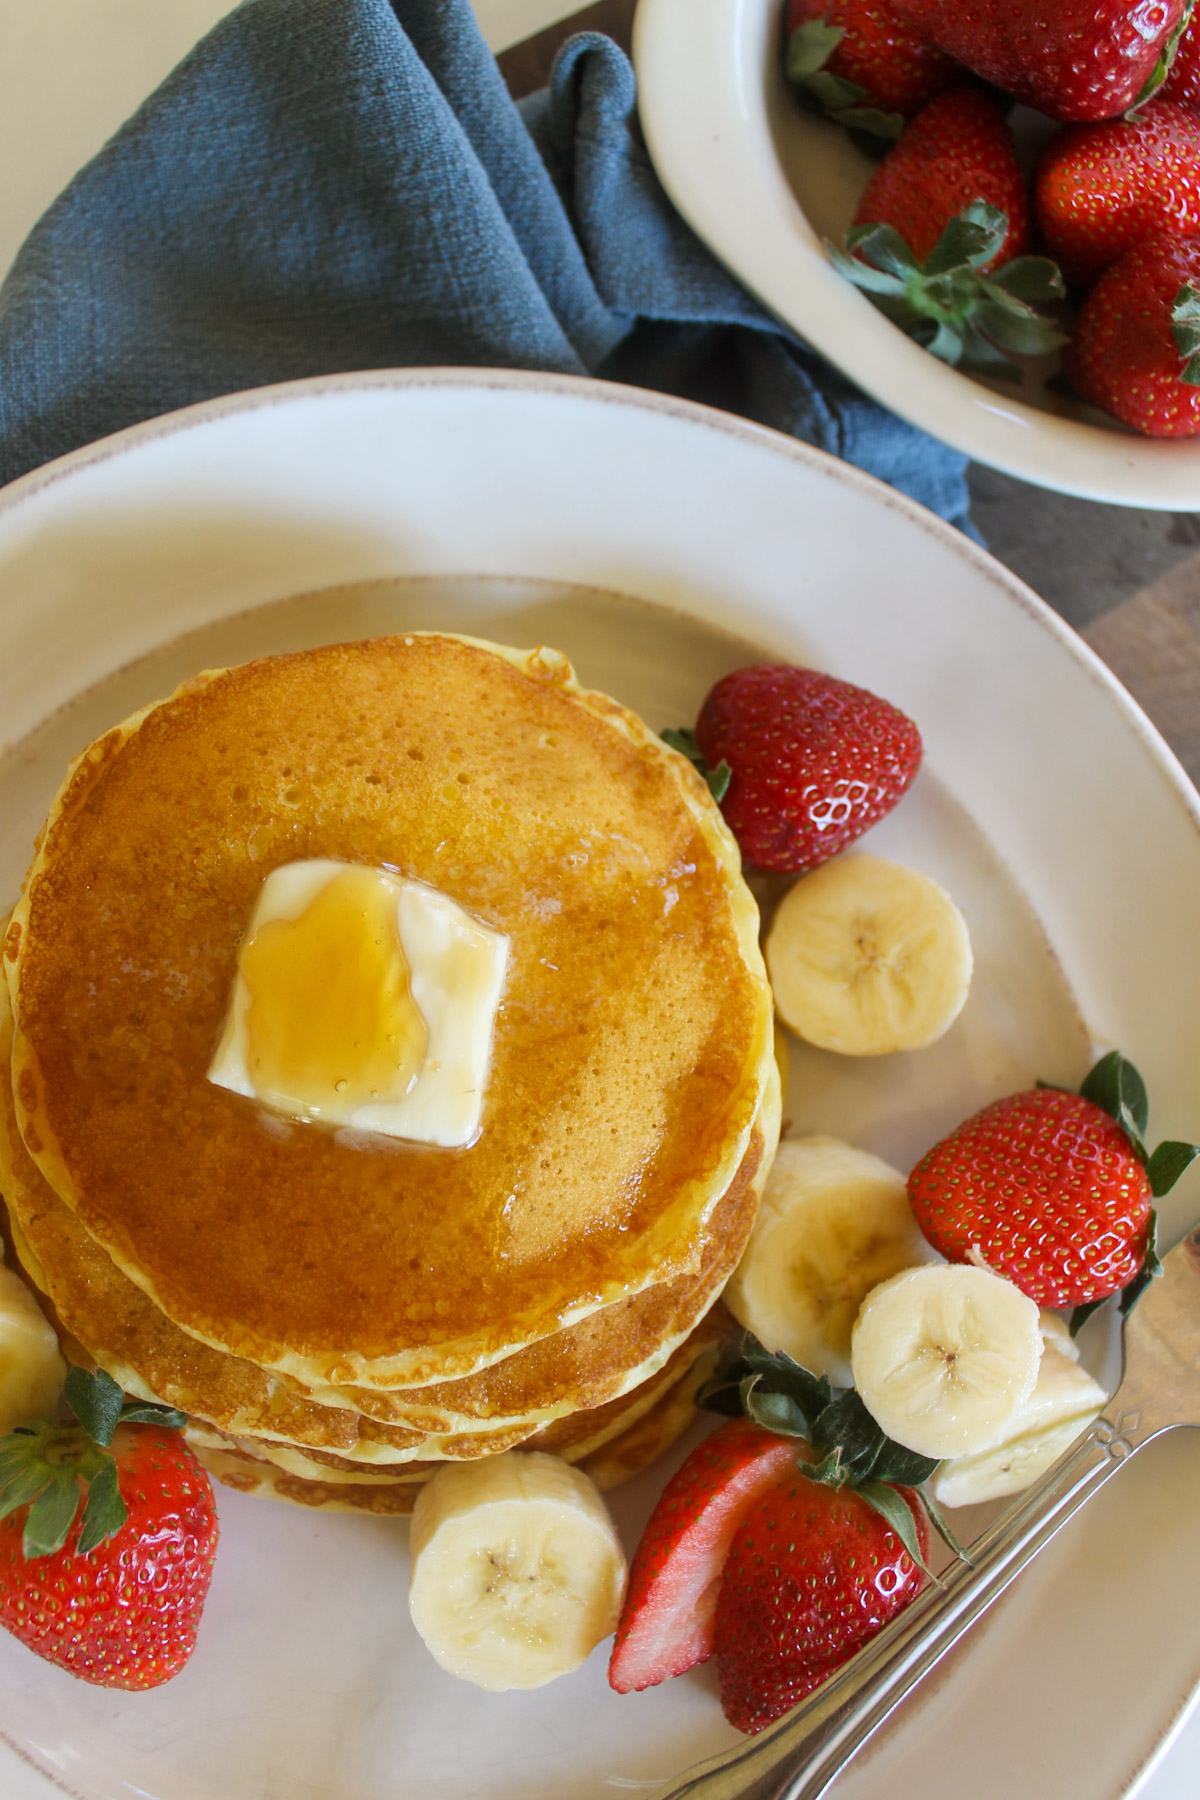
[684, 740]
[851, 1450]
[1116, 1087]
[1185, 329]
[809, 48]
[52, 1467]
[967, 319]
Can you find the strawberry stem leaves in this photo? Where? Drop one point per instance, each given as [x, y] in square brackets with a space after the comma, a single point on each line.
[852, 1450]
[1116, 1087]
[49, 1467]
[96, 1400]
[1167, 1164]
[962, 316]
[104, 1510]
[1185, 329]
[809, 48]
[681, 738]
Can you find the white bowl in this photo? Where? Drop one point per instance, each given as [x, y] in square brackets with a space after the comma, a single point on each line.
[498, 504]
[763, 182]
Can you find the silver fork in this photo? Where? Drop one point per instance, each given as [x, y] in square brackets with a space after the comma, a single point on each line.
[798, 1757]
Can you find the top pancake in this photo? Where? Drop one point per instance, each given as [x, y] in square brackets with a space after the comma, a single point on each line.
[631, 1050]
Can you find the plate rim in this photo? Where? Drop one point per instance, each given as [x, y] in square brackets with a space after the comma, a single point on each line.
[29, 487]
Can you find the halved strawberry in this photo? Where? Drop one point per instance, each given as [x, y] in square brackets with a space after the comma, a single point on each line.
[668, 1623]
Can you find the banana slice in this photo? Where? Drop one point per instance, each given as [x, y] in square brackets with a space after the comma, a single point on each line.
[866, 957]
[1064, 1401]
[31, 1366]
[517, 1571]
[833, 1223]
[944, 1357]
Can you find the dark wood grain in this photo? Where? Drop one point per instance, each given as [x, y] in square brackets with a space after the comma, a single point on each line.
[527, 66]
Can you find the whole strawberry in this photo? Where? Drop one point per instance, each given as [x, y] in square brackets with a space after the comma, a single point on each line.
[1100, 190]
[860, 64]
[812, 1574]
[958, 149]
[815, 1500]
[813, 761]
[1134, 347]
[1053, 1190]
[668, 1622]
[939, 233]
[1072, 59]
[112, 1593]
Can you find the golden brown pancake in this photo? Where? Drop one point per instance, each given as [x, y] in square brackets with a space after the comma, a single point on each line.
[126, 1334]
[609, 1352]
[631, 1048]
[572, 1437]
[617, 1460]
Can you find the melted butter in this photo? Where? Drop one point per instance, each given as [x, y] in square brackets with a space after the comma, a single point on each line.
[331, 1022]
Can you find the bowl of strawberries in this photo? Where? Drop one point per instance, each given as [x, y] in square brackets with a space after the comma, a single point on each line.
[988, 217]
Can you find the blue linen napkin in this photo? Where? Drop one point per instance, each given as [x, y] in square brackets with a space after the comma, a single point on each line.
[346, 184]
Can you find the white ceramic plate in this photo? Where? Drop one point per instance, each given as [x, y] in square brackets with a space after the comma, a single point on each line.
[659, 544]
[763, 182]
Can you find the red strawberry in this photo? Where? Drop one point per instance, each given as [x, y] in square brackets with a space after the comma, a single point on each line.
[1073, 59]
[668, 1621]
[1051, 1189]
[861, 64]
[1131, 352]
[1183, 82]
[114, 1596]
[958, 149]
[1101, 189]
[812, 1574]
[813, 761]
[938, 234]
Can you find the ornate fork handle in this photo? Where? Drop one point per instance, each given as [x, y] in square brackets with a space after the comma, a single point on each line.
[797, 1758]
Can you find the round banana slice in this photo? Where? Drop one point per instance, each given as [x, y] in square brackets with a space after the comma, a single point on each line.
[1065, 1399]
[866, 957]
[31, 1366]
[833, 1223]
[517, 1571]
[944, 1356]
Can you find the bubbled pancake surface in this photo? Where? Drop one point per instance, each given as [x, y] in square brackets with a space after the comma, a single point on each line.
[631, 1047]
[611, 1350]
[126, 1334]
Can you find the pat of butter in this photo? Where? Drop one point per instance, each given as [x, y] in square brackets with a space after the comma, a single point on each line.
[366, 1000]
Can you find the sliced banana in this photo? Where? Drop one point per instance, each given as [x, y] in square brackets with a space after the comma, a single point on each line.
[1065, 1399]
[517, 1571]
[833, 1223]
[866, 957]
[944, 1357]
[32, 1370]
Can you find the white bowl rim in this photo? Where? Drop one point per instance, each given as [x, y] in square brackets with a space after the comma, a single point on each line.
[710, 141]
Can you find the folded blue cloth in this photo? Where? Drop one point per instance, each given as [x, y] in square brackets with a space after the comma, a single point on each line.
[345, 184]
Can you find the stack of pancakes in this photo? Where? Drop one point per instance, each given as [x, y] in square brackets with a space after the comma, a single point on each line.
[339, 1313]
